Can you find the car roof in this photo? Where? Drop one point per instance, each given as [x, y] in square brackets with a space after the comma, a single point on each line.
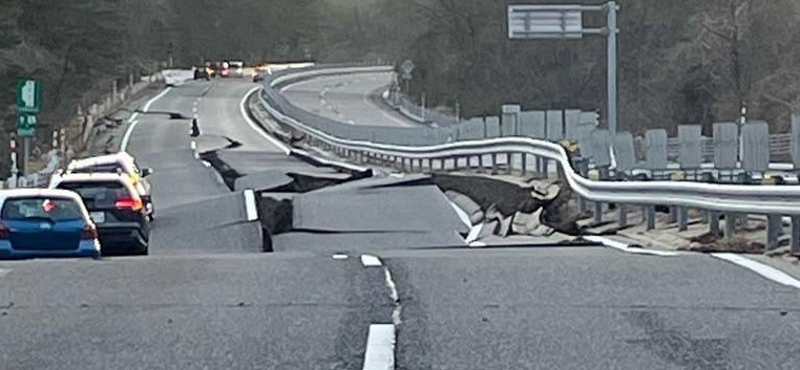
[38, 192]
[103, 159]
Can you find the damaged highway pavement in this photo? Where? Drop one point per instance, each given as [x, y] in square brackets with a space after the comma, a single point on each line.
[412, 211]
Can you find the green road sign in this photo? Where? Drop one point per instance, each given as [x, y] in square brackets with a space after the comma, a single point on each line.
[29, 95]
[26, 124]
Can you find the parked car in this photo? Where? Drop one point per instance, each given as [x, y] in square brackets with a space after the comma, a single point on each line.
[115, 163]
[45, 223]
[115, 207]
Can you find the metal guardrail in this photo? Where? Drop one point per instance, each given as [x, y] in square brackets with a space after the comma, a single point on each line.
[719, 156]
[784, 200]
[732, 200]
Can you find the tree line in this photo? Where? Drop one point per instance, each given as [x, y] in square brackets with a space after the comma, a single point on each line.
[681, 61]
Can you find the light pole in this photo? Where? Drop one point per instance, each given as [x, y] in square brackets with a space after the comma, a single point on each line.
[566, 22]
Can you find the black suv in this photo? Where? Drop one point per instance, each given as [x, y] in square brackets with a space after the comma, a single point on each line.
[115, 207]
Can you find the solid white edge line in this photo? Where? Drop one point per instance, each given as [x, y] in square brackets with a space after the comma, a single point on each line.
[123, 146]
[462, 215]
[250, 205]
[474, 232]
[768, 272]
[133, 122]
[243, 111]
[627, 249]
[379, 354]
[133, 117]
[370, 261]
[330, 162]
[398, 309]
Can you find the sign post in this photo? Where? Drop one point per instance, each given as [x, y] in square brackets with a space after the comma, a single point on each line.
[566, 22]
[407, 67]
[29, 100]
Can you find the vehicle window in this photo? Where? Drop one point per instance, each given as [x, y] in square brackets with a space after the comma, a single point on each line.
[54, 209]
[97, 194]
[101, 168]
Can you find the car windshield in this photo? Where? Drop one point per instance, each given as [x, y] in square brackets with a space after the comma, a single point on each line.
[96, 194]
[54, 209]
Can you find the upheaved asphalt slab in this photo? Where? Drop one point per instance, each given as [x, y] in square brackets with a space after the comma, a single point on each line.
[347, 98]
[411, 209]
[251, 162]
[589, 308]
[206, 312]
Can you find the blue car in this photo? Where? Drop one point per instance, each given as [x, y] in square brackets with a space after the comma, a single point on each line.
[45, 223]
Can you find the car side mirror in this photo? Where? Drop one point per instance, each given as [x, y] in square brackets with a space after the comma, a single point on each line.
[147, 171]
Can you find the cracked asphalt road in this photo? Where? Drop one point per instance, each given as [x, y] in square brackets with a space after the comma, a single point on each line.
[205, 300]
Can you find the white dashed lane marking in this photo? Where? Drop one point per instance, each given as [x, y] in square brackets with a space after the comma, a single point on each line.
[251, 211]
[380, 347]
[370, 261]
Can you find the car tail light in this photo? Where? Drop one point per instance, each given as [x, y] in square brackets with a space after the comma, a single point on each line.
[5, 233]
[89, 232]
[134, 204]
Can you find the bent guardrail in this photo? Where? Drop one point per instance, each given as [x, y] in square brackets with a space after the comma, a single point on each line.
[654, 152]
[732, 200]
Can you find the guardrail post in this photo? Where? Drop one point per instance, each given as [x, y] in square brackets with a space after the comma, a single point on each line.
[795, 248]
[494, 163]
[683, 218]
[14, 180]
[509, 164]
[672, 217]
[730, 225]
[774, 230]
[623, 215]
[524, 164]
[650, 216]
[601, 174]
[713, 222]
